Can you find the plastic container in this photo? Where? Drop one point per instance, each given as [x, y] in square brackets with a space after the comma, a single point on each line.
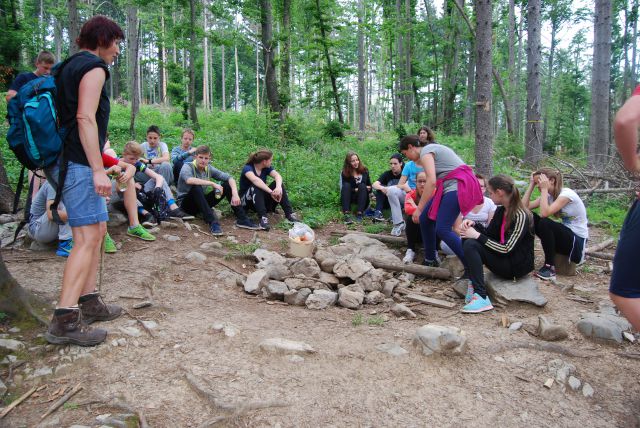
[301, 240]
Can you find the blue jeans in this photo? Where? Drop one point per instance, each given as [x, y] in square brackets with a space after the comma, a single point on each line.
[447, 214]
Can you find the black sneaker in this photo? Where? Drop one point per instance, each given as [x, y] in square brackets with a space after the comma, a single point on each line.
[264, 223]
[292, 217]
[147, 220]
[348, 219]
[215, 229]
[377, 216]
[245, 223]
[431, 263]
[178, 213]
[359, 217]
[546, 273]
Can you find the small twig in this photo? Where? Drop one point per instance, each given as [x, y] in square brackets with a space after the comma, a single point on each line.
[629, 355]
[139, 249]
[524, 379]
[546, 347]
[16, 403]
[61, 401]
[124, 296]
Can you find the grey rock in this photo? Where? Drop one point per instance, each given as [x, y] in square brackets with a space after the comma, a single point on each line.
[130, 331]
[7, 218]
[307, 267]
[392, 349]
[329, 278]
[406, 277]
[298, 283]
[42, 371]
[436, 339]
[561, 370]
[373, 280]
[515, 326]
[322, 254]
[196, 257]
[122, 342]
[460, 286]
[209, 246]
[603, 327]
[14, 330]
[629, 336]
[285, 346]
[114, 343]
[117, 421]
[390, 285]
[374, 298]
[52, 421]
[350, 299]
[607, 307]
[229, 330]
[117, 219]
[229, 278]
[321, 299]
[297, 297]
[150, 324]
[256, 281]
[278, 271]
[359, 240]
[295, 358]
[43, 246]
[3, 389]
[266, 258]
[574, 383]
[550, 331]
[79, 426]
[524, 289]
[453, 265]
[171, 238]
[275, 290]
[352, 268]
[401, 310]
[587, 390]
[11, 344]
[327, 264]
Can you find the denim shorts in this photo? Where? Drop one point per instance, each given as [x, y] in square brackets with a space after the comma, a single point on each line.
[84, 206]
[625, 281]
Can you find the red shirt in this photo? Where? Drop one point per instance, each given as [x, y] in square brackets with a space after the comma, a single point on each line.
[108, 161]
[636, 91]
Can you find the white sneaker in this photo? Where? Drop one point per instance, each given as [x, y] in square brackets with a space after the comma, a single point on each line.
[398, 229]
[409, 256]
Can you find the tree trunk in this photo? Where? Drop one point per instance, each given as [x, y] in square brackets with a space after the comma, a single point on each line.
[408, 78]
[484, 129]
[517, 103]
[74, 26]
[162, 54]
[285, 58]
[469, 109]
[599, 134]
[327, 57]
[268, 56]
[17, 301]
[511, 67]
[132, 65]
[193, 114]
[634, 44]
[57, 36]
[223, 81]
[547, 91]
[257, 77]
[206, 104]
[533, 135]
[361, 80]
[237, 97]
[434, 53]
[6, 192]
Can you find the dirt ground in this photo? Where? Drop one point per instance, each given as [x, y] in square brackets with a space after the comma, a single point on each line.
[347, 382]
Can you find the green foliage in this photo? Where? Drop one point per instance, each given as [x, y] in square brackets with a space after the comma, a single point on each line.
[334, 129]
[608, 212]
[375, 320]
[70, 406]
[3, 316]
[357, 319]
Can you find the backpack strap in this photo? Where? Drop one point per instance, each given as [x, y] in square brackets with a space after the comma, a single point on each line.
[16, 198]
[27, 205]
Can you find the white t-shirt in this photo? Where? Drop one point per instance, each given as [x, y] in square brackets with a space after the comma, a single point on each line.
[155, 152]
[574, 214]
[482, 216]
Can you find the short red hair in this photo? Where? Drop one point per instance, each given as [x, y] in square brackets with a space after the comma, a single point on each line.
[99, 31]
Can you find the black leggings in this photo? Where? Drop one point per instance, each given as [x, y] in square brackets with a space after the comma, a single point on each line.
[196, 202]
[261, 202]
[555, 237]
[476, 255]
[177, 167]
[349, 195]
[412, 231]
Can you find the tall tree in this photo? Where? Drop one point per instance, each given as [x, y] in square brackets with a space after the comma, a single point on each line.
[599, 134]
[285, 57]
[206, 103]
[484, 128]
[511, 65]
[74, 25]
[268, 55]
[361, 80]
[533, 135]
[193, 114]
[333, 75]
[132, 66]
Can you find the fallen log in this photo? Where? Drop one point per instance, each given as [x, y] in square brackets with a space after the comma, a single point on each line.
[16, 403]
[606, 191]
[427, 272]
[396, 240]
[430, 301]
[601, 246]
[598, 255]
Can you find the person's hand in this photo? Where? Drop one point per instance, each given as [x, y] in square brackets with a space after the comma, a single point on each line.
[145, 161]
[276, 194]
[192, 150]
[138, 186]
[102, 183]
[416, 216]
[533, 179]
[157, 192]
[543, 182]
[235, 200]
[114, 170]
[470, 233]
[219, 187]
[126, 175]
[384, 189]
[466, 224]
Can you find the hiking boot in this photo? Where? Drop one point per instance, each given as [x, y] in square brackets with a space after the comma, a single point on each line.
[546, 273]
[477, 304]
[398, 229]
[264, 223]
[178, 213]
[292, 217]
[64, 248]
[147, 220]
[348, 219]
[67, 326]
[377, 216]
[215, 229]
[109, 244]
[409, 256]
[140, 232]
[93, 308]
[246, 223]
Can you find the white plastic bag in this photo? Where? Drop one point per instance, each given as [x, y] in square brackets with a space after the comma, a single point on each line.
[301, 232]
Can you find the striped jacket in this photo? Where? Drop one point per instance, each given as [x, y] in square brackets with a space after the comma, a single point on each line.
[518, 240]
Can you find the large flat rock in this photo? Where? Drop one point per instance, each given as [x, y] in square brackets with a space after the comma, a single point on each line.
[524, 290]
[603, 327]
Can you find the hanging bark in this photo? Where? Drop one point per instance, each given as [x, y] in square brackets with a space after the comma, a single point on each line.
[599, 134]
[132, 65]
[193, 114]
[285, 58]
[484, 129]
[332, 72]
[361, 80]
[533, 134]
[268, 56]
[74, 26]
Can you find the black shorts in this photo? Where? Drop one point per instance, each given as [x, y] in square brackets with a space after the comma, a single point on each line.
[625, 281]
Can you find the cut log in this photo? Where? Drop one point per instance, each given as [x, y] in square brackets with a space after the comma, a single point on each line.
[430, 301]
[601, 246]
[607, 191]
[603, 256]
[397, 240]
[427, 272]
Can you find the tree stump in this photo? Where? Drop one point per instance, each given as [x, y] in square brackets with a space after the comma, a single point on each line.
[564, 266]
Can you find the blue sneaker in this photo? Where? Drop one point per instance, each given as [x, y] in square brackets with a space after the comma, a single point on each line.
[245, 223]
[469, 296]
[369, 212]
[215, 229]
[64, 248]
[477, 305]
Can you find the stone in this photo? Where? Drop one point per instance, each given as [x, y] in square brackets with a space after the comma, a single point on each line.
[275, 290]
[460, 286]
[321, 299]
[114, 343]
[229, 278]
[372, 280]
[499, 359]
[196, 257]
[390, 285]
[3, 389]
[524, 290]
[607, 307]
[603, 327]
[229, 330]
[453, 265]
[42, 371]
[352, 268]
[307, 267]
[350, 299]
[297, 297]
[256, 281]
[150, 324]
[171, 238]
[436, 339]
[629, 336]
[122, 342]
[515, 326]
[329, 278]
[130, 331]
[392, 349]
[117, 219]
[43, 246]
[322, 254]
[285, 346]
[561, 370]
[11, 344]
[549, 331]
[374, 298]
[587, 390]
[208, 246]
[402, 311]
[295, 358]
[266, 258]
[327, 264]
[574, 383]
[298, 283]
[7, 218]
[278, 271]
[564, 266]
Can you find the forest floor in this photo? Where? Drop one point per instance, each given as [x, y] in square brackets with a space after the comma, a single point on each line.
[347, 382]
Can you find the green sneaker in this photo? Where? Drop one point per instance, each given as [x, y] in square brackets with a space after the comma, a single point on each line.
[140, 232]
[109, 244]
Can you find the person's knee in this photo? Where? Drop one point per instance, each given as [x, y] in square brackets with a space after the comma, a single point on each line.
[471, 245]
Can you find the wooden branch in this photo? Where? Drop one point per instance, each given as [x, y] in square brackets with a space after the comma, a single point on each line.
[545, 347]
[397, 240]
[427, 272]
[603, 256]
[430, 301]
[16, 403]
[601, 246]
[61, 401]
[606, 191]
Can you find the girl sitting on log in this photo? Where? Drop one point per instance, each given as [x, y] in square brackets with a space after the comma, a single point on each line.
[568, 237]
[505, 246]
[412, 230]
[355, 185]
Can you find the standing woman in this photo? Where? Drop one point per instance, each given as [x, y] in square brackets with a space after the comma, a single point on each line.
[83, 110]
[568, 237]
[505, 247]
[355, 185]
